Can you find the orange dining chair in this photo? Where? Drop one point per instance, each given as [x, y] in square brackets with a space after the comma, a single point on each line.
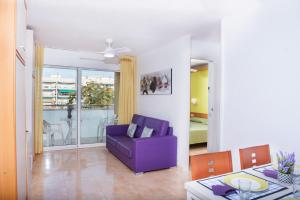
[255, 156]
[210, 164]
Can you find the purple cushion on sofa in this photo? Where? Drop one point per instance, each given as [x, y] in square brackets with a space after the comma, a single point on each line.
[111, 140]
[160, 127]
[139, 121]
[125, 146]
[121, 139]
[170, 131]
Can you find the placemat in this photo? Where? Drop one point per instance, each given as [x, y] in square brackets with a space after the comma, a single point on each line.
[287, 197]
[218, 180]
[271, 167]
[261, 169]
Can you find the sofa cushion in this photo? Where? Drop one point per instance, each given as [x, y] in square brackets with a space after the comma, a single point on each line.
[131, 130]
[170, 131]
[139, 121]
[160, 127]
[125, 146]
[116, 139]
[147, 132]
[121, 139]
[112, 140]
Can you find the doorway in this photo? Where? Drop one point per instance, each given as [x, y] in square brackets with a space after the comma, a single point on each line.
[200, 106]
[78, 104]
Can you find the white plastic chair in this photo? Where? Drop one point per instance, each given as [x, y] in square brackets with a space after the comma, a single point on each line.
[50, 130]
[101, 129]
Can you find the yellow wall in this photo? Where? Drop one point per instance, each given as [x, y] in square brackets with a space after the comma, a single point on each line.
[199, 90]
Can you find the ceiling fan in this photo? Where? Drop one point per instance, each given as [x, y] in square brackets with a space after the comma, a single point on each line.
[109, 52]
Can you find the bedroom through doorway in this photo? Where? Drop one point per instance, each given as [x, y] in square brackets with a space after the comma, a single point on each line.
[199, 105]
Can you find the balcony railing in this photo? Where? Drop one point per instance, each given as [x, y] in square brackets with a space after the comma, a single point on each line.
[60, 124]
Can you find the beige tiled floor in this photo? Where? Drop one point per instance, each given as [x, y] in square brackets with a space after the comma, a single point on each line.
[94, 173]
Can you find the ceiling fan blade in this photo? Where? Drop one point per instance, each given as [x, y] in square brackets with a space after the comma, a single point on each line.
[93, 59]
[114, 60]
[122, 50]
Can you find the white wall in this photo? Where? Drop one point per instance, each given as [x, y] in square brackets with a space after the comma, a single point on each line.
[69, 58]
[175, 107]
[261, 102]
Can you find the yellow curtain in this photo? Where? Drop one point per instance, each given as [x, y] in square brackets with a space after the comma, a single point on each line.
[38, 103]
[127, 90]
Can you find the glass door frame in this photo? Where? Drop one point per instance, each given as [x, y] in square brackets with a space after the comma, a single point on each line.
[78, 106]
[79, 77]
[72, 146]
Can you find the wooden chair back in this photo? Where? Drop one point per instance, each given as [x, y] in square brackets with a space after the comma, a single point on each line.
[255, 156]
[210, 164]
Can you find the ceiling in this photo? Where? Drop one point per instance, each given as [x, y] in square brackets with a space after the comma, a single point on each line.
[138, 24]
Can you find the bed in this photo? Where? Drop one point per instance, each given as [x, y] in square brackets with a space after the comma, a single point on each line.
[198, 130]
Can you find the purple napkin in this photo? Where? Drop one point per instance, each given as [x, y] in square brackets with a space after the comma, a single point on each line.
[222, 190]
[270, 173]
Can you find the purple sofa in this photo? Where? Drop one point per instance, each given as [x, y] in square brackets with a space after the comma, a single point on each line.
[143, 154]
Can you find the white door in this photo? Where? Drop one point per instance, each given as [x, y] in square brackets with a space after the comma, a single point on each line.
[212, 144]
[20, 130]
[29, 80]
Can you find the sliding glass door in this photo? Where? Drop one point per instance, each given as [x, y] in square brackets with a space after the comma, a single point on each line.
[59, 96]
[70, 122]
[97, 105]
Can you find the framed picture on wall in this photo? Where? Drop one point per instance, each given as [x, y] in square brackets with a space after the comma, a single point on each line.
[156, 83]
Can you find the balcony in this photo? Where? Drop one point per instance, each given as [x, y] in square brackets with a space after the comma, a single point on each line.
[60, 127]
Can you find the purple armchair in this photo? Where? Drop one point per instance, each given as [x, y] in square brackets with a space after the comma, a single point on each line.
[143, 154]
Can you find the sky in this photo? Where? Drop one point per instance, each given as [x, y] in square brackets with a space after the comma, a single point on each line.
[71, 73]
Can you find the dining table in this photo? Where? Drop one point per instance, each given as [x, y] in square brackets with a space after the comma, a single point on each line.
[202, 189]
